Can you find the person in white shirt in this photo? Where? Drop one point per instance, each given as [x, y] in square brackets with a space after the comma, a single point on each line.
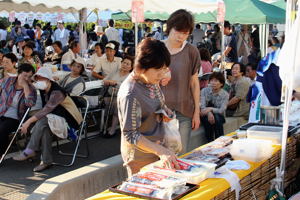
[95, 58]
[197, 35]
[3, 32]
[61, 34]
[112, 33]
[108, 64]
[71, 54]
[157, 34]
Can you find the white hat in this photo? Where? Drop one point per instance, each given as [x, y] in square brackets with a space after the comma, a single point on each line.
[60, 22]
[80, 60]
[44, 72]
[110, 45]
[98, 29]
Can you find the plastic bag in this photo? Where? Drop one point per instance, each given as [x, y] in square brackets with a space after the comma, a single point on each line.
[172, 139]
[58, 125]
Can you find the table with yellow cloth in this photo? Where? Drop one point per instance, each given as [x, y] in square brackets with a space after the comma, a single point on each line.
[210, 188]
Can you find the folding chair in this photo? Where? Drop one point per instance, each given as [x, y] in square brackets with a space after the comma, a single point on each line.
[83, 104]
[109, 111]
[99, 94]
[15, 134]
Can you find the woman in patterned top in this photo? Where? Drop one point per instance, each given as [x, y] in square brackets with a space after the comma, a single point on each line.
[214, 101]
[30, 57]
[139, 98]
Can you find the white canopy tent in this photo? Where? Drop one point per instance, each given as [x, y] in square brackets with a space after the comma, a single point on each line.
[195, 6]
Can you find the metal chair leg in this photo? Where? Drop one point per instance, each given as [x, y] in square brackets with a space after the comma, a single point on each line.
[75, 155]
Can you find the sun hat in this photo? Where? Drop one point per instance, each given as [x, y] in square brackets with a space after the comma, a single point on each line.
[110, 45]
[98, 29]
[44, 72]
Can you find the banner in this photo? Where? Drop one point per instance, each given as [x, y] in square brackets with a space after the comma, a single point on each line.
[221, 11]
[30, 18]
[137, 11]
[11, 17]
[130, 25]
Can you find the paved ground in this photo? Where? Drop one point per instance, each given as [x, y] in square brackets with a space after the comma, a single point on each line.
[17, 181]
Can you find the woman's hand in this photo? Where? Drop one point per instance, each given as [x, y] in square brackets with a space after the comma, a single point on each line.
[205, 111]
[196, 120]
[211, 118]
[168, 159]
[25, 127]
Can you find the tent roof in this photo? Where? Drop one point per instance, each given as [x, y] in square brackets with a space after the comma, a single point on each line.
[253, 12]
[9, 5]
[194, 6]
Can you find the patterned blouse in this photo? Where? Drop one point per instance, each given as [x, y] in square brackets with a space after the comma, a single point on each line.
[218, 100]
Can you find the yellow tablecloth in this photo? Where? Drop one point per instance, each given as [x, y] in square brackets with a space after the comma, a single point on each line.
[208, 189]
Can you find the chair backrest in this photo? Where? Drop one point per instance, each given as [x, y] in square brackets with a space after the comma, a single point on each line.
[80, 102]
[100, 91]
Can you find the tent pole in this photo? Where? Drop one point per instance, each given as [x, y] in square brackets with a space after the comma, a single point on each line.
[222, 46]
[290, 5]
[136, 35]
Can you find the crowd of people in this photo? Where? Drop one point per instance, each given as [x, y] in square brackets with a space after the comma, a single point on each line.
[181, 74]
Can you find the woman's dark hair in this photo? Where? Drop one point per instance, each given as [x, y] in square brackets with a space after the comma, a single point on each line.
[275, 40]
[252, 65]
[73, 44]
[29, 45]
[82, 66]
[131, 58]
[204, 54]
[48, 42]
[227, 24]
[13, 58]
[152, 53]
[25, 68]
[58, 43]
[111, 23]
[101, 46]
[219, 76]
[39, 25]
[2, 44]
[242, 67]
[180, 20]
[26, 26]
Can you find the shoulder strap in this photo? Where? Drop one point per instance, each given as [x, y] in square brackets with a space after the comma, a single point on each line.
[73, 83]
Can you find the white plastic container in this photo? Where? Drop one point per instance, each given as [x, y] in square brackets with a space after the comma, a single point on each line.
[272, 133]
[252, 150]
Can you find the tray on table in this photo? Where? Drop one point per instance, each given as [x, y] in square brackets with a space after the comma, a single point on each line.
[191, 188]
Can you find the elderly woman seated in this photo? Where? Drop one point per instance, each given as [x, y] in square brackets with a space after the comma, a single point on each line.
[214, 101]
[56, 104]
[17, 94]
[73, 83]
[115, 79]
[238, 105]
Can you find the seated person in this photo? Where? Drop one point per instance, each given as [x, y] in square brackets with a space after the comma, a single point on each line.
[17, 94]
[96, 57]
[73, 83]
[70, 55]
[108, 64]
[214, 101]
[56, 56]
[17, 49]
[206, 66]
[55, 101]
[238, 105]
[9, 65]
[115, 79]
[30, 57]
